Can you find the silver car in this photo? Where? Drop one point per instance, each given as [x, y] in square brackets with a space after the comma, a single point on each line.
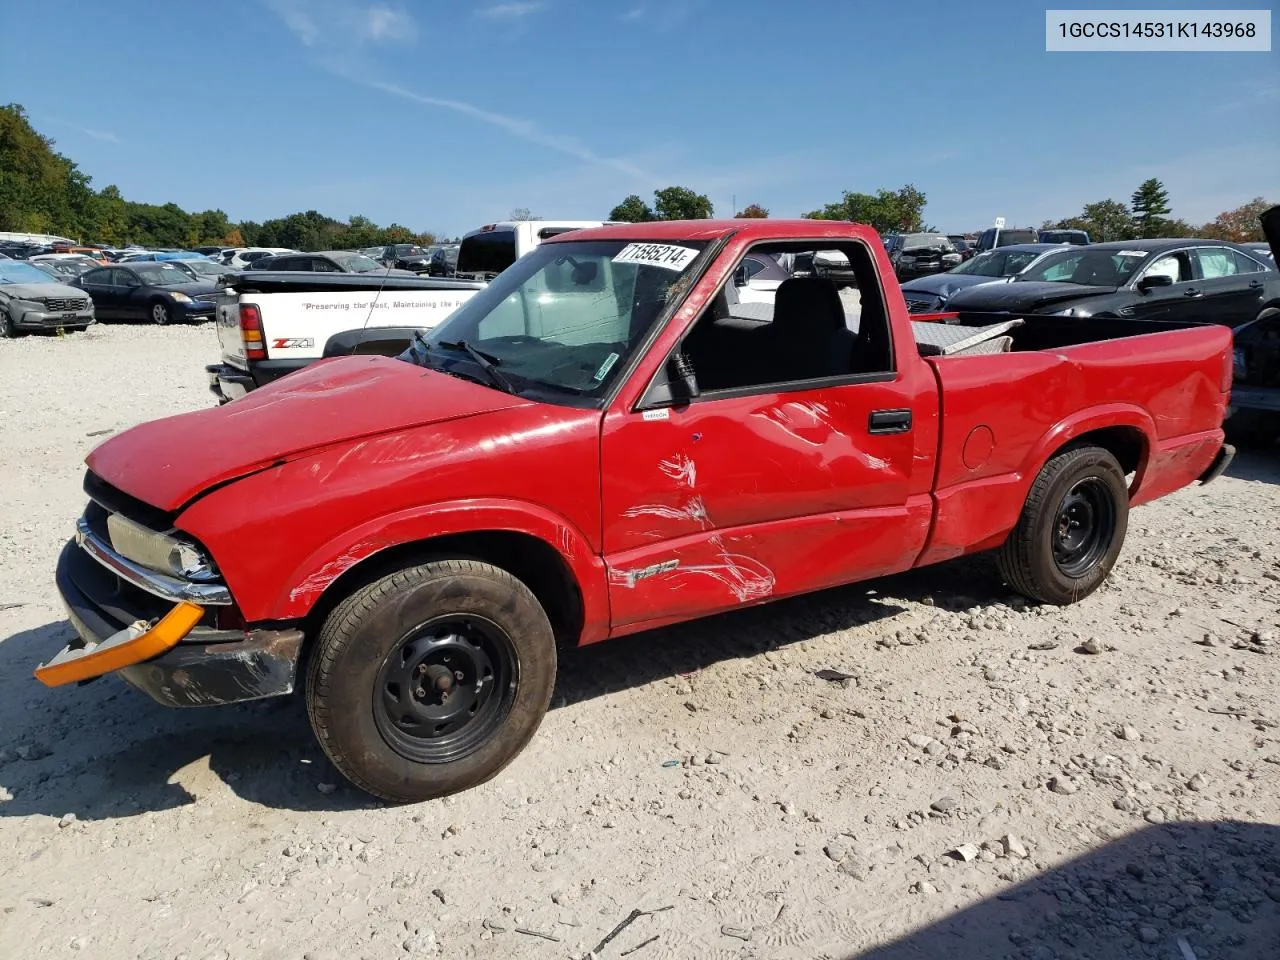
[31, 300]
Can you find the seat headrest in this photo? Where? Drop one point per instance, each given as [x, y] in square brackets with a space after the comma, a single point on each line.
[811, 303]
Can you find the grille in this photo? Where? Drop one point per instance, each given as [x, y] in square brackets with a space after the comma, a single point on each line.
[207, 298]
[66, 303]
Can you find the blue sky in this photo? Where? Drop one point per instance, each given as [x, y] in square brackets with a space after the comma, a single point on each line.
[444, 115]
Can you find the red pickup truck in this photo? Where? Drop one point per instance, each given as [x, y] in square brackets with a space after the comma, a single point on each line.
[603, 441]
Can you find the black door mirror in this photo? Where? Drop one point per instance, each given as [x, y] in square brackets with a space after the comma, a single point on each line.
[1153, 280]
[683, 380]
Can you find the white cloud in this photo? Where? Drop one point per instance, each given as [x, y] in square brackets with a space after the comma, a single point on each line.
[509, 11]
[106, 135]
[632, 15]
[317, 22]
[517, 127]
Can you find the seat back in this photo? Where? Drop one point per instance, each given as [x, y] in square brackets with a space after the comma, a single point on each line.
[809, 333]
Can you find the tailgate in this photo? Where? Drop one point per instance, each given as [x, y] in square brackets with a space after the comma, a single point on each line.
[227, 314]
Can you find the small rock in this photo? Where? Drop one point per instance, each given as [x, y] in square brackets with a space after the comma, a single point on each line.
[67, 820]
[79, 943]
[1091, 646]
[439, 895]
[944, 805]
[326, 788]
[494, 927]
[966, 852]
[854, 867]
[835, 850]
[919, 740]
[1014, 847]
[935, 748]
[32, 751]
[1128, 733]
[1148, 934]
[738, 932]
[1124, 803]
[1154, 815]
[1197, 783]
[1063, 785]
[923, 887]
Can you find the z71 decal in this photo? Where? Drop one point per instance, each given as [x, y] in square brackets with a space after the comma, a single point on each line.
[292, 343]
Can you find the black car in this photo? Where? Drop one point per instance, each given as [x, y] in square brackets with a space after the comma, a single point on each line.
[325, 261]
[993, 237]
[931, 294]
[406, 256]
[920, 254]
[1206, 280]
[1255, 390]
[444, 260]
[1079, 237]
[159, 291]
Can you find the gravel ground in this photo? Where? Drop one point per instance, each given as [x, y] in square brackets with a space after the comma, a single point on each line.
[977, 785]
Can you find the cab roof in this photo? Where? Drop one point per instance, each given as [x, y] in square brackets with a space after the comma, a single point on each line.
[753, 230]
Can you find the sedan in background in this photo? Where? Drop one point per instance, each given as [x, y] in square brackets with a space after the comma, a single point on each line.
[930, 294]
[203, 269]
[32, 300]
[160, 292]
[444, 260]
[1210, 281]
[327, 261]
[406, 256]
[64, 270]
[1262, 252]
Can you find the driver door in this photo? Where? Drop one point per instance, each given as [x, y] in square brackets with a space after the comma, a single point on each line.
[1181, 300]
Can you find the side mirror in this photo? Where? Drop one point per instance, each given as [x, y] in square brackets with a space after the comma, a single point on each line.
[740, 276]
[1153, 280]
[676, 385]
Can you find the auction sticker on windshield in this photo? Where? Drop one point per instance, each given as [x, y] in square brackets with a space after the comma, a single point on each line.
[666, 255]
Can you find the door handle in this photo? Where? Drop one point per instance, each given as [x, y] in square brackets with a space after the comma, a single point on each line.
[889, 421]
[1193, 293]
[1255, 284]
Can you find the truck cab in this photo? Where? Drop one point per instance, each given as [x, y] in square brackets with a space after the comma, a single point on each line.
[488, 250]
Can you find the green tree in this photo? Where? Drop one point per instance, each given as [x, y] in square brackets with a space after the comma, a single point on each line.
[681, 203]
[752, 211]
[887, 211]
[632, 210]
[1104, 220]
[41, 191]
[1150, 204]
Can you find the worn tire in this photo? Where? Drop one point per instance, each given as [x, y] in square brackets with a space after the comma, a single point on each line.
[1027, 559]
[346, 670]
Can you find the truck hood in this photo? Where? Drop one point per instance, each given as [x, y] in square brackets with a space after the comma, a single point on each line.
[167, 463]
[1026, 296]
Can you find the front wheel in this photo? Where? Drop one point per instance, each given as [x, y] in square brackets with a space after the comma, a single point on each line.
[431, 680]
[1071, 529]
[7, 326]
[160, 313]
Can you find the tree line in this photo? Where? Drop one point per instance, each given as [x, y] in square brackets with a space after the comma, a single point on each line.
[42, 191]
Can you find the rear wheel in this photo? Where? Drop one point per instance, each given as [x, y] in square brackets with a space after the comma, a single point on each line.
[1071, 529]
[431, 680]
[159, 313]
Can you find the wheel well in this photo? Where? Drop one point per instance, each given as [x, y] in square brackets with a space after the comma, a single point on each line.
[532, 561]
[1127, 444]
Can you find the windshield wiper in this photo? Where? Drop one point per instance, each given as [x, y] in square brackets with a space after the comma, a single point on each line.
[486, 362]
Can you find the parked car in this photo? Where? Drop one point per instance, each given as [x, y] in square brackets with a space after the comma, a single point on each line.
[444, 260]
[1263, 252]
[486, 251]
[210, 251]
[63, 270]
[993, 237]
[962, 245]
[1210, 280]
[930, 294]
[1255, 393]
[921, 254]
[239, 258]
[160, 292]
[30, 299]
[591, 447]
[757, 278]
[1077, 237]
[160, 256]
[405, 256]
[326, 261]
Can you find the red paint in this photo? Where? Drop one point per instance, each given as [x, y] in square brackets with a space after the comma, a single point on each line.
[726, 502]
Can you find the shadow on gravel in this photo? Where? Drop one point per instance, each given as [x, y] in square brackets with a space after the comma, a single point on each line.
[104, 750]
[1256, 464]
[1216, 886]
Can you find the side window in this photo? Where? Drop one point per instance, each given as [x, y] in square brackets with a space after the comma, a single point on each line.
[1064, 269]
[321, 265]
[1246, 264]
[99, 277]
[1175, 266]
[1215, 262]
[124, 278]
[816, 328]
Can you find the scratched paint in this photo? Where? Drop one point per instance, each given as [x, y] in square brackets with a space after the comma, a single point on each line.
[694, 509]
[747, 578]
[680, 469]
[315, 583]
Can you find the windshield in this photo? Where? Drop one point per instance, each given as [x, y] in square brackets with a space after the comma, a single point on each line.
[407, 250]
[15, 271]
[927, 241]
[997, 263]
[355, 263]
[567, 316]
[161, 274]
[206, 268]
[1087, 265]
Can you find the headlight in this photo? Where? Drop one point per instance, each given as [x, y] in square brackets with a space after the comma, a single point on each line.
[159, 551]
[180, 297]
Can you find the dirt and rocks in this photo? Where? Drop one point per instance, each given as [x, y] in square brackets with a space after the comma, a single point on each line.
[919, 767]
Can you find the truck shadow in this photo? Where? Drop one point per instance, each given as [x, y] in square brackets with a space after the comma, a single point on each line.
[1257, 464]
[104, 751]
[1215, 886]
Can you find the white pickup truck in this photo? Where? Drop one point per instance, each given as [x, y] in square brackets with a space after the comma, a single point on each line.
[272, 323]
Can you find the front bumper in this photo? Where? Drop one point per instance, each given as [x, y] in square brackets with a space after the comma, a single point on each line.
[35, 317]
[207, 666]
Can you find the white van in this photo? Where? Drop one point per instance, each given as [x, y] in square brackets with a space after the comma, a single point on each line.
[487, 251]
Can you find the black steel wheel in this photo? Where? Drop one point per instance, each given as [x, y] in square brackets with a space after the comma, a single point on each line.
[430, 680]
[445, 687]
[1071, 529]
